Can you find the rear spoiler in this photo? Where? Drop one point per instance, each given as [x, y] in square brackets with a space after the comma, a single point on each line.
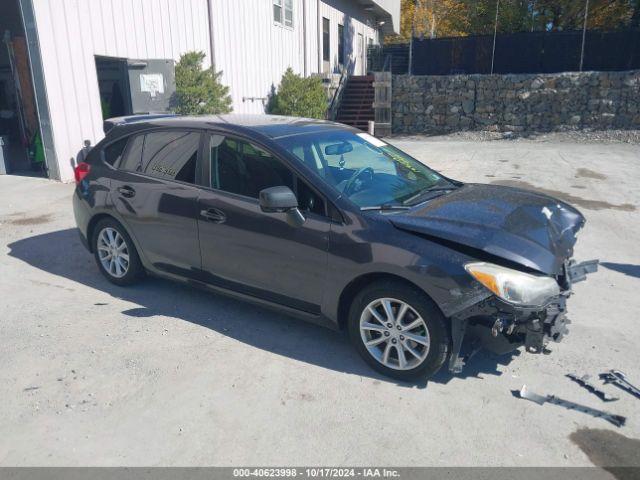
[109, 123]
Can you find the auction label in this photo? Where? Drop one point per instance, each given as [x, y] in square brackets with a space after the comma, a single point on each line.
[317, 472]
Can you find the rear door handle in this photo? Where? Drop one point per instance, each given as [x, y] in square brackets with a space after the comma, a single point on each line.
[127, 192]
[213, 215]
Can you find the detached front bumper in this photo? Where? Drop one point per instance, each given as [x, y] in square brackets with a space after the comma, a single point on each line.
[501, 327]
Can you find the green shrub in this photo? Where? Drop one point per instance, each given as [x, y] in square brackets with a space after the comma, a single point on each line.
[299, 97]
[198, 90]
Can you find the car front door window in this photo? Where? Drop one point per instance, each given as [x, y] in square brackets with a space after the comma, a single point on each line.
[244, 169]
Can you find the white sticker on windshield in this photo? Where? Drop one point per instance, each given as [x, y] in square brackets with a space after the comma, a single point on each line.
[376, 142]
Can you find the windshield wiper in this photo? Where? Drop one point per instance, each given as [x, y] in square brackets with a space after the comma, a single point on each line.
[440, 188]
[386, 206]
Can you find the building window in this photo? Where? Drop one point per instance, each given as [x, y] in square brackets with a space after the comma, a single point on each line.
[288, 13]
[325, 39]
[277, 11]
[340, 44]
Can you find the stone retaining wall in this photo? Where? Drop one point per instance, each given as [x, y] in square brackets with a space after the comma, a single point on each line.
[519, 103]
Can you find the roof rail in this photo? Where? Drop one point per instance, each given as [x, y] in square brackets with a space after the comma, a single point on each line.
[109, 123]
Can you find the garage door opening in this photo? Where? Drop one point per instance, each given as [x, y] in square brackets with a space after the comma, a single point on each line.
[21, 149]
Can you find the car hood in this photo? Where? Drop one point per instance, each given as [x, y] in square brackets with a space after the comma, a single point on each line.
[525, 227]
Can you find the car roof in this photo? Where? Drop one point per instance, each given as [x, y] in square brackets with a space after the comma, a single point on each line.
[272, 126]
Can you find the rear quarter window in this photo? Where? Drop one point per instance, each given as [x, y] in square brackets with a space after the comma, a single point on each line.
[132, 159]
[112, 153]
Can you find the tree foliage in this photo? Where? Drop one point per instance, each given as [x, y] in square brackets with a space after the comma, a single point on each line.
[452, 18]
[299, 97]
[431, 18]
[198, 90]
[569, 14]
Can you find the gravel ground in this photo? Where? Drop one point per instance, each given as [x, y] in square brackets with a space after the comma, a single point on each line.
[160, 374]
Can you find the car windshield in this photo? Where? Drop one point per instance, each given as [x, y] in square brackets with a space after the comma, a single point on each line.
[363, 168]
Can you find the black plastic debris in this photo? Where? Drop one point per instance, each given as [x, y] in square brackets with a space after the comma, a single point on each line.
[617, 420]
[620, 380]
[584, 382]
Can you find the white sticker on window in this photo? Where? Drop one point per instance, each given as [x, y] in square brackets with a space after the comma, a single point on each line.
[376, 142]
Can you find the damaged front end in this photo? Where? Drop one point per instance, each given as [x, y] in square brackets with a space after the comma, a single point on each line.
[522, 242]
[501, 326]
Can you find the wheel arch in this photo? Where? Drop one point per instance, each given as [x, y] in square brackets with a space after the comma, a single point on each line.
[92, 225]
[101, 216]
[357, 284]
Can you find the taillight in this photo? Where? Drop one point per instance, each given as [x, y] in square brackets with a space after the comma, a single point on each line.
[81, 171]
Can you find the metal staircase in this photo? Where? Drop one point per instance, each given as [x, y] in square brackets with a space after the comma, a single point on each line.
[356, 104]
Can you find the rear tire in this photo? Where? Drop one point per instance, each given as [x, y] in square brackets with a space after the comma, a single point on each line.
[115, 253]
[398, 331]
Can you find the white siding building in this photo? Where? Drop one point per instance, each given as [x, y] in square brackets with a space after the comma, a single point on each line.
[256, 41]
[84, 54]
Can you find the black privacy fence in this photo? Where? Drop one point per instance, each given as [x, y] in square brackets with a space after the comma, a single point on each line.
[534, 52]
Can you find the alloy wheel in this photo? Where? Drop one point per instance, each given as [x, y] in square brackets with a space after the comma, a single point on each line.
[113, 252]
[394, 334]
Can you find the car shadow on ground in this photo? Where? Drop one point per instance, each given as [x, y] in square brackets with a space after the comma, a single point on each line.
[626, 268]
[61, 253]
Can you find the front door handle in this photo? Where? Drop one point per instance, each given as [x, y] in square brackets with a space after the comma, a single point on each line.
[127, 191]
[213, 215]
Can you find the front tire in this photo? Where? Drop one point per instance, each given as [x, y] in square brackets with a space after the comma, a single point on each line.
[398, 331]
[115, 253]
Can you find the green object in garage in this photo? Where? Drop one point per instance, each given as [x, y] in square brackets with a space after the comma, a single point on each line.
[36, 152]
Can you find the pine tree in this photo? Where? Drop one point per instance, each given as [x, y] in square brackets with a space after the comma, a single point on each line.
[198, 90]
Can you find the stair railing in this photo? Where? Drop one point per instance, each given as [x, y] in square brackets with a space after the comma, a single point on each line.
[334, 106]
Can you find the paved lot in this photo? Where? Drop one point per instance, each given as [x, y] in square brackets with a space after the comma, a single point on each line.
[159, 374]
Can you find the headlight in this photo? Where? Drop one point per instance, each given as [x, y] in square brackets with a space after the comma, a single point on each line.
[513, 286]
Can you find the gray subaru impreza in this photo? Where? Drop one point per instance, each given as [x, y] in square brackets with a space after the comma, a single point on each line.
[335, 226]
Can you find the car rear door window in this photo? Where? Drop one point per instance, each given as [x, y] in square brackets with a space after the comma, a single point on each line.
[169, 155]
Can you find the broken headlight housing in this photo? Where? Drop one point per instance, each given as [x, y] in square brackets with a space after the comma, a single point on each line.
[514, 286]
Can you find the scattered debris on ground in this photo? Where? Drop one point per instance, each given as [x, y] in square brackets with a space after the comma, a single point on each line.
[524, 392]
[620, 380]
[584, 382]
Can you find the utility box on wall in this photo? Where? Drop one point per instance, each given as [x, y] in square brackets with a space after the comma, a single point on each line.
[152, 83]
[129, 86]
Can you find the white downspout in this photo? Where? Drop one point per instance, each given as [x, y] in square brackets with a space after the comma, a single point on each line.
[211, 42]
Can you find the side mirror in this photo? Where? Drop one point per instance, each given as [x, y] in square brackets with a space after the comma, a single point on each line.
[277, 199]
[281, 200]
